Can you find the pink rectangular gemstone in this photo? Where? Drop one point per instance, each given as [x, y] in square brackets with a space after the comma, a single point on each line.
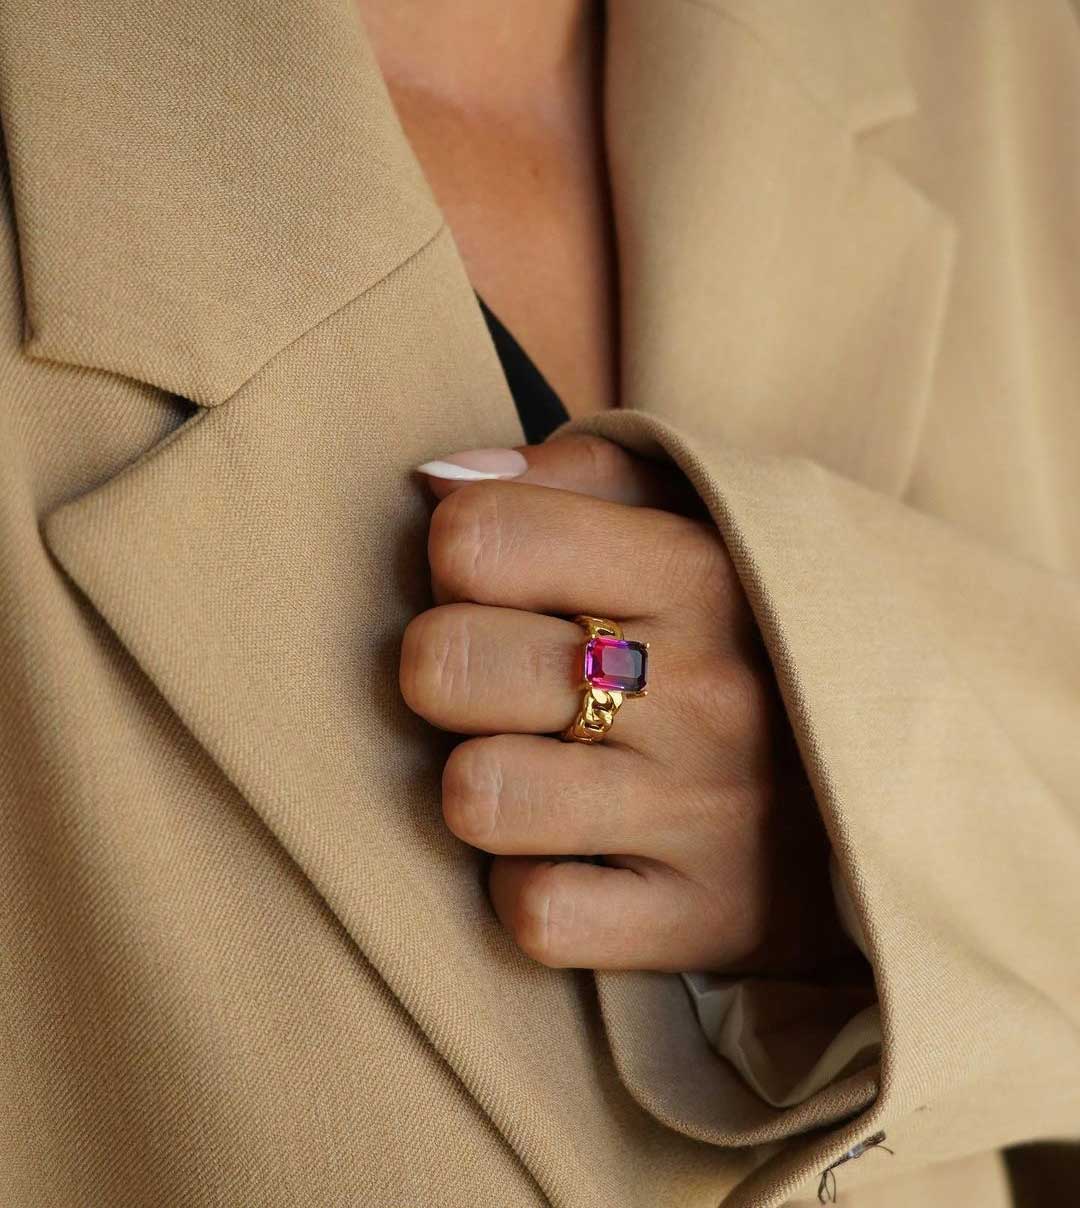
[615, 665]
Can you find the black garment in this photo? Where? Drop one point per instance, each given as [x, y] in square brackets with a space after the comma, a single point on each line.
[539, 407]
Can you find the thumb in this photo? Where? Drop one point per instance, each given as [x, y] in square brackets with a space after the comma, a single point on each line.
[586, 464]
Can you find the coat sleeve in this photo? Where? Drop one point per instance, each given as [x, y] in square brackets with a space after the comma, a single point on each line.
[933, 684]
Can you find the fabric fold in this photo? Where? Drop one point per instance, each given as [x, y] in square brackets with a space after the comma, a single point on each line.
[909, 655]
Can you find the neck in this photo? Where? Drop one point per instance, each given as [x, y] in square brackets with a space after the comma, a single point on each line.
[478, 48]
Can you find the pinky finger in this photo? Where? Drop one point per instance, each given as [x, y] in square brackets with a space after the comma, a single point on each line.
[570, 914]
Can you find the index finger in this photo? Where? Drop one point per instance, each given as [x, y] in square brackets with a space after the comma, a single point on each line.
[587, 465]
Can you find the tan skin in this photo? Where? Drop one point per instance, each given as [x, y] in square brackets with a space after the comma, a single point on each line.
[714, 856]
[501, 105]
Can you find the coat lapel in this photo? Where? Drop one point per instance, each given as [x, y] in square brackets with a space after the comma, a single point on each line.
[196, 185]
[783, 289]
[266, 246]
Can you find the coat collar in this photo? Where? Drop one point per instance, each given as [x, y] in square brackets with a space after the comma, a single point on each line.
[783, 287]
[226, 208]
[197, 187]
[845, 56]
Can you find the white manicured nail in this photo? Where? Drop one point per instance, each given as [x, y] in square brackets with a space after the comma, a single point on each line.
[474, 465]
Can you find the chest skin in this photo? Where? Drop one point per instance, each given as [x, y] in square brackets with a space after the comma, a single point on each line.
[522, 183]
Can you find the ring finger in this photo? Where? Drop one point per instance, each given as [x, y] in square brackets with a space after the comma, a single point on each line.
[474, 669]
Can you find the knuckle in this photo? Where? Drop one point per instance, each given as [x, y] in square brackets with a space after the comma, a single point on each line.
[729, 918]
[540, 924]
[746, 695]
[699, 561]
[463, 540]
[435, 658]
[472, 792]
[605, 461]
[753, 709]
[734, 698]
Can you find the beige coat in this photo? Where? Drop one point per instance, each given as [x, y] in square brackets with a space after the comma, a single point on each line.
[242, 961]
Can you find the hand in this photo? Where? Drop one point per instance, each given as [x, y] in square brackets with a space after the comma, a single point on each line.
[714, 855]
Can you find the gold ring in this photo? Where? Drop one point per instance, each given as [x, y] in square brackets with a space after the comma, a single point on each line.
[613, 670]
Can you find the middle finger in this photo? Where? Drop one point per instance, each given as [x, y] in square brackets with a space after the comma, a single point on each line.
[547, 550]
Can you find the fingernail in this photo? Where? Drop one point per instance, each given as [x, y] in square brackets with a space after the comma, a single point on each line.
[475, 465]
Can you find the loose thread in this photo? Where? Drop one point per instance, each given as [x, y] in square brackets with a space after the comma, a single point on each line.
[826, 1192]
